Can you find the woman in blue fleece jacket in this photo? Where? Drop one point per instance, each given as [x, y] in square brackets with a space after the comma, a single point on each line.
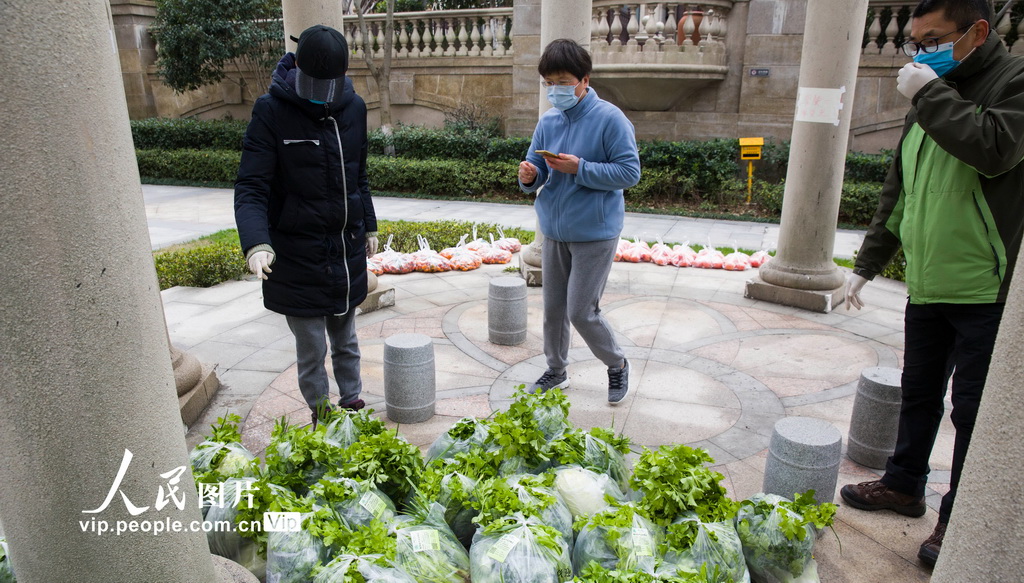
[581, 210]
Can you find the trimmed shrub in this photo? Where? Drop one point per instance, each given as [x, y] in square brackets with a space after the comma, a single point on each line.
[191, 165]
[440, 234]
[859, 201]
[708, 164]
[173, 134]
[450, 178]
[868, 167]
[662, 184]
[201, 266]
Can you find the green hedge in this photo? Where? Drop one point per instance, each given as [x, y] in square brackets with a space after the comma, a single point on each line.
[191, 165]
[449, 178]
[201, 266]
[440, 234]
[422, 143]
[173, 134]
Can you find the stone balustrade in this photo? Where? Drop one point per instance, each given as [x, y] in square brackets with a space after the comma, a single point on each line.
[438, 33]
[660, 32]
[888, 24]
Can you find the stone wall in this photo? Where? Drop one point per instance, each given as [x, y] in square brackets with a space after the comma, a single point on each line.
[765, 37]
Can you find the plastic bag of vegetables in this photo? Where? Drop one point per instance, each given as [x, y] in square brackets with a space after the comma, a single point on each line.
[464, 435]
[223, 453]
[428, 550]
[357, 503]
[229, 543]
[361, 569]
[528, 494]
[618, 538]
[598, 449]
[778, 536]
[585, 492]
[453, 491]
[693, 543]
[518, 549]
[6, 569]
[292, 556]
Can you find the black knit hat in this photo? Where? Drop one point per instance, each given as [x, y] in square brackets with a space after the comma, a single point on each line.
[322, 60]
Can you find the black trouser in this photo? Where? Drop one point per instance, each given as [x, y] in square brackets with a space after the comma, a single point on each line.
[940, 338]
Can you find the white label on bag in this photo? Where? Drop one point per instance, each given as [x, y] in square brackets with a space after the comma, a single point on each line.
[373, 504]
[499, 552]
[642, 542]
[425, 540]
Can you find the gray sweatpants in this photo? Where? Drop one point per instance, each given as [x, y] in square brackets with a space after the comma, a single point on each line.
[311, 352]
[574, 278]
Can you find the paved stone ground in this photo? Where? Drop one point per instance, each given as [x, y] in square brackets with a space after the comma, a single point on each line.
[710, 368]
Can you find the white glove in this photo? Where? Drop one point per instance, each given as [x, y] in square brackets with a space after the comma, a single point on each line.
[912, 77]
[371, 245]
[259, 263]
[853, 286]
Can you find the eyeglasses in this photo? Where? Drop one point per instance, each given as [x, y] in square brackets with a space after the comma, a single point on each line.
[928, 45]
[559, 83]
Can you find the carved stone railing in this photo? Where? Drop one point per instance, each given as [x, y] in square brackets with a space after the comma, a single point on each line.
[652, 55]
[888, 24]
[438, 33]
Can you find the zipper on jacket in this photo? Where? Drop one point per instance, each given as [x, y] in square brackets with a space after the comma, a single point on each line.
[344, 188]
[988, 234]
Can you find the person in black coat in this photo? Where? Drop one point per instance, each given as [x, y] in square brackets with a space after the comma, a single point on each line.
[303, 209]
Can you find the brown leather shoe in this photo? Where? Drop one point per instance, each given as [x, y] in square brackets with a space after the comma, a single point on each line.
[877, 496]
[930, 548]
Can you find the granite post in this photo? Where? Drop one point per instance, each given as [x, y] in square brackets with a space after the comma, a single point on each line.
[802, 274]
[410, 382]
[89, 425]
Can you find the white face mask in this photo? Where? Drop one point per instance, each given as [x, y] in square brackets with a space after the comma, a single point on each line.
[563, 97]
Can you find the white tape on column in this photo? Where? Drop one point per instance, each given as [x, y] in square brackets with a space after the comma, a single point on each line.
[819, 105]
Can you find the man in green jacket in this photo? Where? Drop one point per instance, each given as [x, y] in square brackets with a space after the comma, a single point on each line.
[954, 200]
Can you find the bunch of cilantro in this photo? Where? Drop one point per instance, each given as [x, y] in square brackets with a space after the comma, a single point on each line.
[618, 538]
[519, 549]
[672, 480]
[595, 573]
[222, 455]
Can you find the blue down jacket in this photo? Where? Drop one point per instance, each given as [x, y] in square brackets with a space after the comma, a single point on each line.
[294, 193]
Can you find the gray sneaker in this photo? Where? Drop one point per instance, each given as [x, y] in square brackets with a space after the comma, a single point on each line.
[618, 383]
[549, 380]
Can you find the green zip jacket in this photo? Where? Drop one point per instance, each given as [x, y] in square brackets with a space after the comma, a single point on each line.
[954, 196]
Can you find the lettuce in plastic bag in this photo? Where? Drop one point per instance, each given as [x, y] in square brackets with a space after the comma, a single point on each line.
[292, 556]
[693, 543]
[463, 436]
[586, 492]
[518, 549]
[229, 543]
[357, 503]
[361, 569]
[778, 536]
[618, 538]
[427, 549]
[527, 494]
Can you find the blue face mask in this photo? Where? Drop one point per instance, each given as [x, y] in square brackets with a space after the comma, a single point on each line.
[563, 97]
[941, 61]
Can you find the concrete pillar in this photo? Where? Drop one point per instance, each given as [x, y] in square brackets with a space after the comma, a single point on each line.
[137, 51]
[564, 19]
[802, 274]
[526, 32]
[983, 542]
[410, 379]
[84, 367]
[302, 14]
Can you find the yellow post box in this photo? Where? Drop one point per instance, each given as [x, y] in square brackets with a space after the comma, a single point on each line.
[750, 150]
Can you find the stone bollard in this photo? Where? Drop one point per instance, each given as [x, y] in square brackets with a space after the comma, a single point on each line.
[876, 417]
[409, 383]
[803, 454]
[506, 310]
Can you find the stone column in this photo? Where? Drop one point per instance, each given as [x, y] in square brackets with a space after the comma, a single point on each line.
[982, 542]
[137, 51]
[84, 368]
[803, 274]
[526, 19]
[302, 14]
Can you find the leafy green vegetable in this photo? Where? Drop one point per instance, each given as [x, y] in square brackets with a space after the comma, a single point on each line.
[385, 459]
[222, 456]
[597, 450]
[595, 573]
[6, 569]
[675, 479]
[298, 457]
[692, 544]
[618, 538]
[518, 549]
[357, 503]
[292, 556]
[466, 434]
[428, 550]
[778, 534]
